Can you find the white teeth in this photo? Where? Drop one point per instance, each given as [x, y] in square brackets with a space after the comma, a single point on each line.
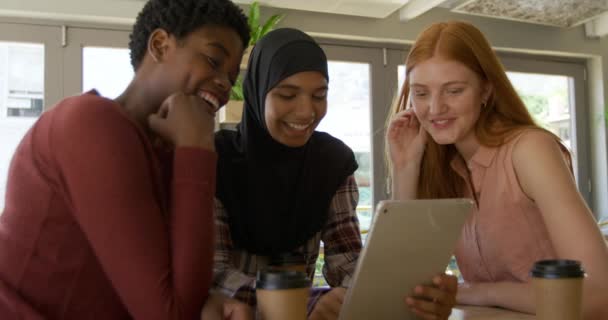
[210, 98]
[298, 126]
[440, 121]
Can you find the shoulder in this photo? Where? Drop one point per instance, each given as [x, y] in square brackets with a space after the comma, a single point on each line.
[89, 113]
[86, 106]
[533, 143]
[539, 159]
[90, 122]
[326, 142]
[333, 154]
[348, 185]
[347, 193]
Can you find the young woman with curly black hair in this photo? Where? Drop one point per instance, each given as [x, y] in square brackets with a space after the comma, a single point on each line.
[109, 205]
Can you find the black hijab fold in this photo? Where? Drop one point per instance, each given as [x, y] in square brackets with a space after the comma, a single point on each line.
[277, 197]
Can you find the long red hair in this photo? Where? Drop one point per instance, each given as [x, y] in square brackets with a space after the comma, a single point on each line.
[503, 115]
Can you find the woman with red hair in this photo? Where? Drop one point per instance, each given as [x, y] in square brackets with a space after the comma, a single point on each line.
[459, 129]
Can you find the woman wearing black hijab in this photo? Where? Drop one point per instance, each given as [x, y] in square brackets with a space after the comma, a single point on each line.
[283, 187]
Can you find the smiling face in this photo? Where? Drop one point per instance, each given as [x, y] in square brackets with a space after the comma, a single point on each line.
[204, 63]
[447, 97]
[295, 106]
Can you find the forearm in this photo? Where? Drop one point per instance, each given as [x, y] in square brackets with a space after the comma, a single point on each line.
[192, 230]
[512, 295]
[341, 235]
[405, 182]
[339, 269]
[508, 295]
[520, 297]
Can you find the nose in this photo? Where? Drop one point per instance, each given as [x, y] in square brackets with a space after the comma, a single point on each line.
[305, 108]
[222, 81]
[436, 104]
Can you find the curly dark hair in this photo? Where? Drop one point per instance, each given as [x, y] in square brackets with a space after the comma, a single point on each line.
[180, 17]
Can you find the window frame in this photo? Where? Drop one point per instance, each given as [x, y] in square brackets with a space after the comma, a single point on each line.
[574, 69]
[79, 38]
[50, 38]
[373, 58]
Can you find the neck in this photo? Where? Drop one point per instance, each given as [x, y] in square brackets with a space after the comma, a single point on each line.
[468, 147]
[139, 102]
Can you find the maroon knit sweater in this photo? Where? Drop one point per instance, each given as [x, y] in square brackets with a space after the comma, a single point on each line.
[98, 224]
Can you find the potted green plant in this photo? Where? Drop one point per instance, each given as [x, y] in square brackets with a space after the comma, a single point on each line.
[259, 30]
[232, 111]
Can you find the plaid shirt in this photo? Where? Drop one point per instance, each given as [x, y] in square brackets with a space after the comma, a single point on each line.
[235, 270]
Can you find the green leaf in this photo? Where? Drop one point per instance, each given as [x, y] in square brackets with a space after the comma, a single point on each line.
[254, 16]
[237, 90]
[270, 24]
[255, 35]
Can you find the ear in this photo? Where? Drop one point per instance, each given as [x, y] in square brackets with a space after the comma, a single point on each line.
[158, 45]
[487, 91]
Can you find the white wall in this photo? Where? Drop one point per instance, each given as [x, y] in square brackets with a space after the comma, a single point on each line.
[104, 11]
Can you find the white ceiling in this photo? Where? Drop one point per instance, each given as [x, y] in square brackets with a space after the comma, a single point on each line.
[364, 8]
[558, 13]
[561, 13]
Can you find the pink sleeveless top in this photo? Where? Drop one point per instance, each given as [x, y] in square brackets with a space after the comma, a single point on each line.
[505, 234]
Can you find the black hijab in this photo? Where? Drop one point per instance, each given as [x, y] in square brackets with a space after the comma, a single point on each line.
[277, 197]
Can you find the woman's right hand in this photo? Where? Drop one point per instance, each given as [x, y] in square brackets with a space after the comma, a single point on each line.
[186, 121]
[406, 139]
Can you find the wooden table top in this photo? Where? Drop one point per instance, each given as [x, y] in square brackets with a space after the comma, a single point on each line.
[484, 313]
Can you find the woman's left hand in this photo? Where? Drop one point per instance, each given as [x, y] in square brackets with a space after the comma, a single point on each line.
[434, 302]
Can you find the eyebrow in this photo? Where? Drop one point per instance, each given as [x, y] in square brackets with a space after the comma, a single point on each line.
[294, 87]
[443, 85]
[219, 46]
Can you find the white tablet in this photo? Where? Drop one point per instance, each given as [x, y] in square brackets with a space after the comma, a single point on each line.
[409, 243]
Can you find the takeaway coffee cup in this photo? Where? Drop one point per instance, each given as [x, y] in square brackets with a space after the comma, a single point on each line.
[282, 294]
[288, 261]
[558, 286]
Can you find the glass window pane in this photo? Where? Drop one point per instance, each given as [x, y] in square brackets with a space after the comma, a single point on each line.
[108, 70]
[21, 98]
[400, 77]
[348, 119]
[548, 98]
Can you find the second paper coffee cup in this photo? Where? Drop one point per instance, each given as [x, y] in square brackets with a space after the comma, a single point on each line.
[282, 294]
[558, 288]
